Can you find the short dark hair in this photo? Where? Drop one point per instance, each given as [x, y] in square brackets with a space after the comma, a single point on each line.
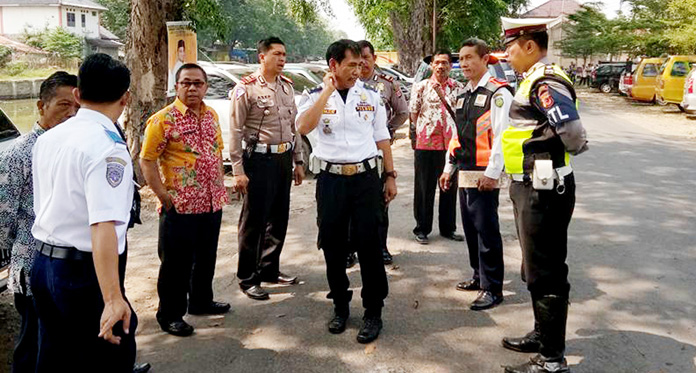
[366, 44]
[265, 44]
[52, 83]
[478, 44]
[337, 50]
[102, 79]
[190, 66]
[443, 51]
[180, 44]
[539, 38]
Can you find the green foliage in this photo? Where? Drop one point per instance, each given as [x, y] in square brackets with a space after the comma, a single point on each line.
[116, 18]
[15, 68]
[63, 44]
[5, 55]
[35, 39]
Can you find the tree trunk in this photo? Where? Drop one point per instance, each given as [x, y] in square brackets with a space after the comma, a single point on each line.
[412, 34]
[146, 56]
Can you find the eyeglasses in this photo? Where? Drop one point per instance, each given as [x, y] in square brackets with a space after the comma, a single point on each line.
[186, 84]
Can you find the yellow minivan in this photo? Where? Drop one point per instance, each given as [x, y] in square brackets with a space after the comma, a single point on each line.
[669, 86]
[643, 88]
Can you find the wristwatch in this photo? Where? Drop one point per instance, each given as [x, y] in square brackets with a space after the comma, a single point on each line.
[391, 173]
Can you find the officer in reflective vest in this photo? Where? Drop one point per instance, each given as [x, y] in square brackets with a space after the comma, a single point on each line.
[481, 116]
[545, 129]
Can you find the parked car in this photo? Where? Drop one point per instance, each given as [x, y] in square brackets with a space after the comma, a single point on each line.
[669, 86]
[626, 82]
[398, 75]
[606, 77]
[500, 70]
[689, 100]
[643, 88]
[8, 131]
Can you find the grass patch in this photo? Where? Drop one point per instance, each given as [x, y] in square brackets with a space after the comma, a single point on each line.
[32, 73]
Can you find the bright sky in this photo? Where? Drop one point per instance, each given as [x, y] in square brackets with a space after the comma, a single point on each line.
[345, 19]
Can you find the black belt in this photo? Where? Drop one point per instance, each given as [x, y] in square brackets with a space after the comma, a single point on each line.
[62, 252]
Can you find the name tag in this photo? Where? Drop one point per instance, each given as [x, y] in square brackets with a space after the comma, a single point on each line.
[480, 100]
[460, 103]
[329, 111]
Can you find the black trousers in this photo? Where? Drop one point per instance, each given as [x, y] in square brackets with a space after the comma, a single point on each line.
[27, 345]
[263, 222]
[69, 305]
[542, 219]
[482, 231]
[383, 229]
[187, 251]
[428, 166]
[356, 200]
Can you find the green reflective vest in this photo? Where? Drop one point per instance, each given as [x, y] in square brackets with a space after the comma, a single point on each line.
[529, 135]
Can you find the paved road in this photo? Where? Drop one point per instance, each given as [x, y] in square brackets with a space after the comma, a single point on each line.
[633, 271]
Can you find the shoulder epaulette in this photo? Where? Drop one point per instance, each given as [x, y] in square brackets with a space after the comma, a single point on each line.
[249, 79]
[286, 79]
[115, 137]
[498, 82]
[316, 89]
[370, 88]
[386, 77]
[549, 70]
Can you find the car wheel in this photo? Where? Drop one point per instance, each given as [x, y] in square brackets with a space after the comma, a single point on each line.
[306, 151]
[605, 87]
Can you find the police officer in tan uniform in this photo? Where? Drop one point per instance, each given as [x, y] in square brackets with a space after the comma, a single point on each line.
[397, 113]
[263, 147]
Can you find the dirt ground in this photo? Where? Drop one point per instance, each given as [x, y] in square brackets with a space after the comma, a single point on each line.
[302, 256]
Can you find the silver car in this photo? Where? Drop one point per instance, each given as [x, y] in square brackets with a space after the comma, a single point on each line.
[689, 100]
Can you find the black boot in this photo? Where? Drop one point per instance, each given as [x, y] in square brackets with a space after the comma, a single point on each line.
[552, 314]
[528, 343]
[337, 324]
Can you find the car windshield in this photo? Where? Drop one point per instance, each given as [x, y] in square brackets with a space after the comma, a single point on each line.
[236, 70]
[218, 87]
[300, 82]
[7, 128]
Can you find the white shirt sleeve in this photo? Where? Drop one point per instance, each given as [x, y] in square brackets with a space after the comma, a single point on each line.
[109, 187]
[306, 102]
[381, 132]
[499, 121]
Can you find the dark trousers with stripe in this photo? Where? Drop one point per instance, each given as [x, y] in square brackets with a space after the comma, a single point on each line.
[356, 200]
[69, 305]
[428, 166]
[188, 251]
[263, 222]
[482, 231]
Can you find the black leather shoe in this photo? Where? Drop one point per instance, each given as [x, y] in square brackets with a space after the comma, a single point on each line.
[486, 300]
[255, 292]
[469, 285]
[282, 279]
[351, 260]
[214, 308]
[370, 330]
[337, 324]
[537, 364]
[141, 368]
[452, 236]
[386, 256]
[528, 343]
[178, 328]
[422, 239]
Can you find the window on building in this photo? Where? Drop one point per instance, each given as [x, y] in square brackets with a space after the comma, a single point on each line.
[84, 20]
[94, 14]
[71, 19]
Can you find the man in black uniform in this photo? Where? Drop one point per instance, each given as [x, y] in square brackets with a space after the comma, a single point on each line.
[544, 130]
[352, 125]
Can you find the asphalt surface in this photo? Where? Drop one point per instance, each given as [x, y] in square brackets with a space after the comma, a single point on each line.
[632, 257]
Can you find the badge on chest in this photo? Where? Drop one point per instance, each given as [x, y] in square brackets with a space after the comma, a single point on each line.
[480, 100]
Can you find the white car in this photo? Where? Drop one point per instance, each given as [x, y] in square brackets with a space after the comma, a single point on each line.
[689, 100]
[222, 78]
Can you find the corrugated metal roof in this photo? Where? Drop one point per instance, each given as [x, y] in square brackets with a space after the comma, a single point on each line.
[76, 3]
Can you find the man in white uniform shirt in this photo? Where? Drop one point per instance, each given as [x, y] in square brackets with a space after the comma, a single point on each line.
[83, 193]
[352, 124]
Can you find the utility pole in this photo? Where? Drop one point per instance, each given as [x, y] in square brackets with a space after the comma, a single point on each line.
[434, 25]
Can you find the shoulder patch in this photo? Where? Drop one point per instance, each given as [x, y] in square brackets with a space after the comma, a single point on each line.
[386, 77]
[115, 137]
[249, 79]
[316, 89]
[498, 100]
[286, 79]
[115, 168]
